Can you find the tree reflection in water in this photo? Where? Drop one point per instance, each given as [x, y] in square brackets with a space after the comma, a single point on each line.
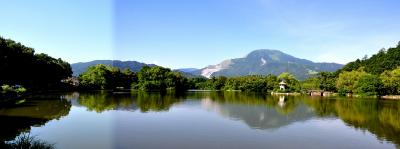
[258, 111]
[37, 111]
[130, 101]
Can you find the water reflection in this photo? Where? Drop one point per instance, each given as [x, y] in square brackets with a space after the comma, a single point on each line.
[36, 111]
[381, 118]
[127, 101]
[259, 112]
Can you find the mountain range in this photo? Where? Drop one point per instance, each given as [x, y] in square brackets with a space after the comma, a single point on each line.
[78, 68]
[263, 62]
[258, 62]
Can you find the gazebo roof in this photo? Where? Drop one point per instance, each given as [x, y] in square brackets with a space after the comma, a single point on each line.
[282, 83]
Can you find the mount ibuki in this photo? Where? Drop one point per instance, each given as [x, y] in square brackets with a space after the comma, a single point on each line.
[264, 62]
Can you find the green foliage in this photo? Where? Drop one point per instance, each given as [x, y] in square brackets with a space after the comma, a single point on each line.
[106, 77]
[348, 79]
[253, 83]
[20, 90]
[311, 83]
[342, 92]
[382, 64]
[96, 77]
[20, 65]
[327, 81]
[148, 78]
[391, 81]
[368, 85]
[359, 82]
[378, 63]
[196, 83]
[322, 81]
[7, 91]
[161, 79]
[6, 88]
[218, 82]
[293, 85]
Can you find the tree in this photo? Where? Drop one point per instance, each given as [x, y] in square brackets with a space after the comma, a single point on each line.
[391, 81]
[21, 65]
[376, 64]
[348, 79]
[96, 77]
[219, 82]
[106, 77]
[312, 83]
[327, 81]
[159, 78]
[368, 85]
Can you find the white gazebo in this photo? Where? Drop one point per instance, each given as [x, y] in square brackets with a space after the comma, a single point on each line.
[282, 85]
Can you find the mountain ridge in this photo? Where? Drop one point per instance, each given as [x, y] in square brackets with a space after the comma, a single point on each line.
[80, 67]
[267, 61]
[257, 62]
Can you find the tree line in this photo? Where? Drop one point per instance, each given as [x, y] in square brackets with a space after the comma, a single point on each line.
[21, 66]
[375, 76]
[157, 78]
[148, 78]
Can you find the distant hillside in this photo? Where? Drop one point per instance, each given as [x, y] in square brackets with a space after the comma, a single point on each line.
[263, 62]
[78, 68]
[187, 70]
[377, 63]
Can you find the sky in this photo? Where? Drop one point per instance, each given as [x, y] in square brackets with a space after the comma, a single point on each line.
[197, 33]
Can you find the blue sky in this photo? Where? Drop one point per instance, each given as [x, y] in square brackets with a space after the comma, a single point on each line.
[196, 33]
[75, 30]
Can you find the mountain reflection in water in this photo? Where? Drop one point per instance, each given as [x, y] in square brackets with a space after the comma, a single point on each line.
[260, 112]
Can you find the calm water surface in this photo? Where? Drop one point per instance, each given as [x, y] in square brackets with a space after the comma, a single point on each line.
[202, 120]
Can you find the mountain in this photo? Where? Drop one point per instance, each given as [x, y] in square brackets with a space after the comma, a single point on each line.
[78, 68]
[263, 62]
[187, 70]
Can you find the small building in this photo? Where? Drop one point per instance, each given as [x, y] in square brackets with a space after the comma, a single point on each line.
[282, 85]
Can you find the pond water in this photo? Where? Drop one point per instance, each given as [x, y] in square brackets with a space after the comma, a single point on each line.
[202, 120]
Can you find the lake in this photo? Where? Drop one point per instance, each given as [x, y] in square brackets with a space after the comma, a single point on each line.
[199, 120]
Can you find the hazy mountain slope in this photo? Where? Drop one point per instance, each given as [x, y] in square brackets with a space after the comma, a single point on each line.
[78, 68]
[187, 70]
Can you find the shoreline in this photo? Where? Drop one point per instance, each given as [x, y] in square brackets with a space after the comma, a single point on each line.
[290, 94]
[391, 97]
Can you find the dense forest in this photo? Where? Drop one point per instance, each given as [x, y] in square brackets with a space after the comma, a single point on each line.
[21, 65]
[377, 75]
[378, 63]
